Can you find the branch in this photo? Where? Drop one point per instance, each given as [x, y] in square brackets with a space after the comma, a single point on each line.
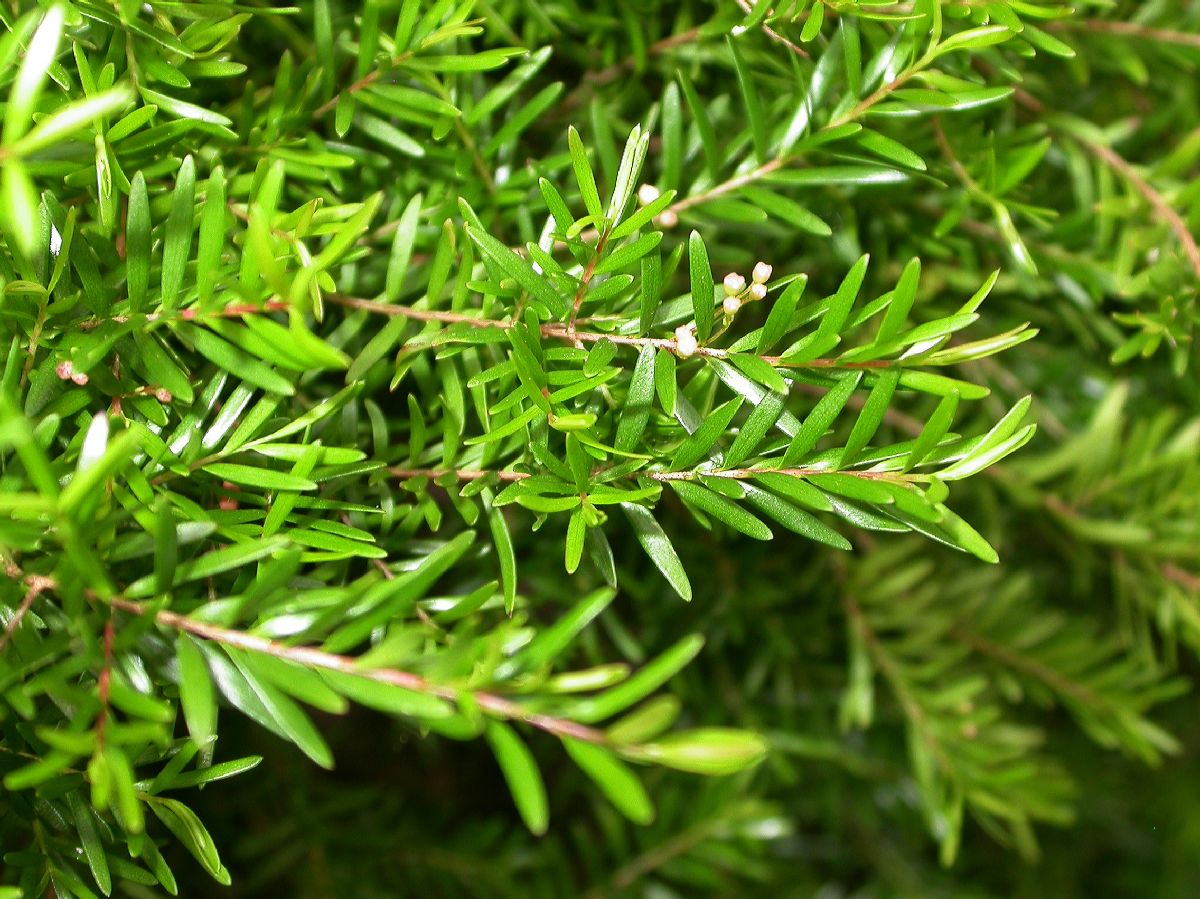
[566, 333]
[37, 584]
[597, 79]
[773, 34]
[365, 81]
[498, 706]
[1120, 165]
[1130, 29]
[1172, 218]
[737, 474]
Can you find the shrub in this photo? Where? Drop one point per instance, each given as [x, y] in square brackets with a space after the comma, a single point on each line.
[602, 407]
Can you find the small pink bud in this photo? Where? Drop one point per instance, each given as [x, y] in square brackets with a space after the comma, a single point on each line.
[731, 305]
[668, 219]
[64, 370]
[762, 273]
[734, 284]
[163, 395]
[758, 291]
[80, 378]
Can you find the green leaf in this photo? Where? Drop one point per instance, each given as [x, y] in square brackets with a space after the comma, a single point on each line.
[636, 411]
[93, 849]
[902, 302]
[794, 519]
[229, 358]
[822, 416]
[891, 150]
[287, 716]
[651, 291]
[521, 774]
[137, 243]
[19, 205]
[32, 75]
[178, 243]
[389, 698]
[402, 249]
[263, 478]
[550, 643]
[787, 210]
[644, 682]
[643, 216]
[710, 750]
[576, 536]
[519, 270]
[657, 545]
[702, 286]
[762, 418]
[66, 120]
[620, 785]
[629, 254]
[722, 509]
[933, 431]
[628, 172]
[583, 175]
[754, 113]
[196, 691]
[700, 444]
[182, 821]
[780, 317]
[505, 556]
[973, 39]
[871, 416]
[704, 125]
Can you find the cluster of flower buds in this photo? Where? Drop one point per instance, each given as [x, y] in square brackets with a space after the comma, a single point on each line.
[685, 341]
[736, 291]
[66, 371]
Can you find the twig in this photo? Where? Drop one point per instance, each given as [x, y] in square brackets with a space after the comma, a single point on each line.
[36, 586]
[564, 332]
[365, 81]
[498, 706]
[604, 76]
[1174, 221]
[737, 474]
[192, 314]
[1129, 29]
[773, 34]
[1120, 165]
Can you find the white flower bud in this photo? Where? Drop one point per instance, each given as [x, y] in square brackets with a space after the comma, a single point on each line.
[762, 273]
[685, 342]
[734, 284]
[731, 305]
[758, 291]
[668, 219]
[647, 194]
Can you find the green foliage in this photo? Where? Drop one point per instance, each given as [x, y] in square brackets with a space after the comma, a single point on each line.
[337, 333]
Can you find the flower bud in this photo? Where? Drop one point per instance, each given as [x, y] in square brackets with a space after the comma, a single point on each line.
[685, 342]
[734, 284]
[64, 370]
[80, 378]
[163, 395]
[758, 291]
[762, 273]
[668, 219]
[731, 305]
[647, 194]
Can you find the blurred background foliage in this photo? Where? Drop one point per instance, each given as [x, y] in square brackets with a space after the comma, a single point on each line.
[207, 205]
